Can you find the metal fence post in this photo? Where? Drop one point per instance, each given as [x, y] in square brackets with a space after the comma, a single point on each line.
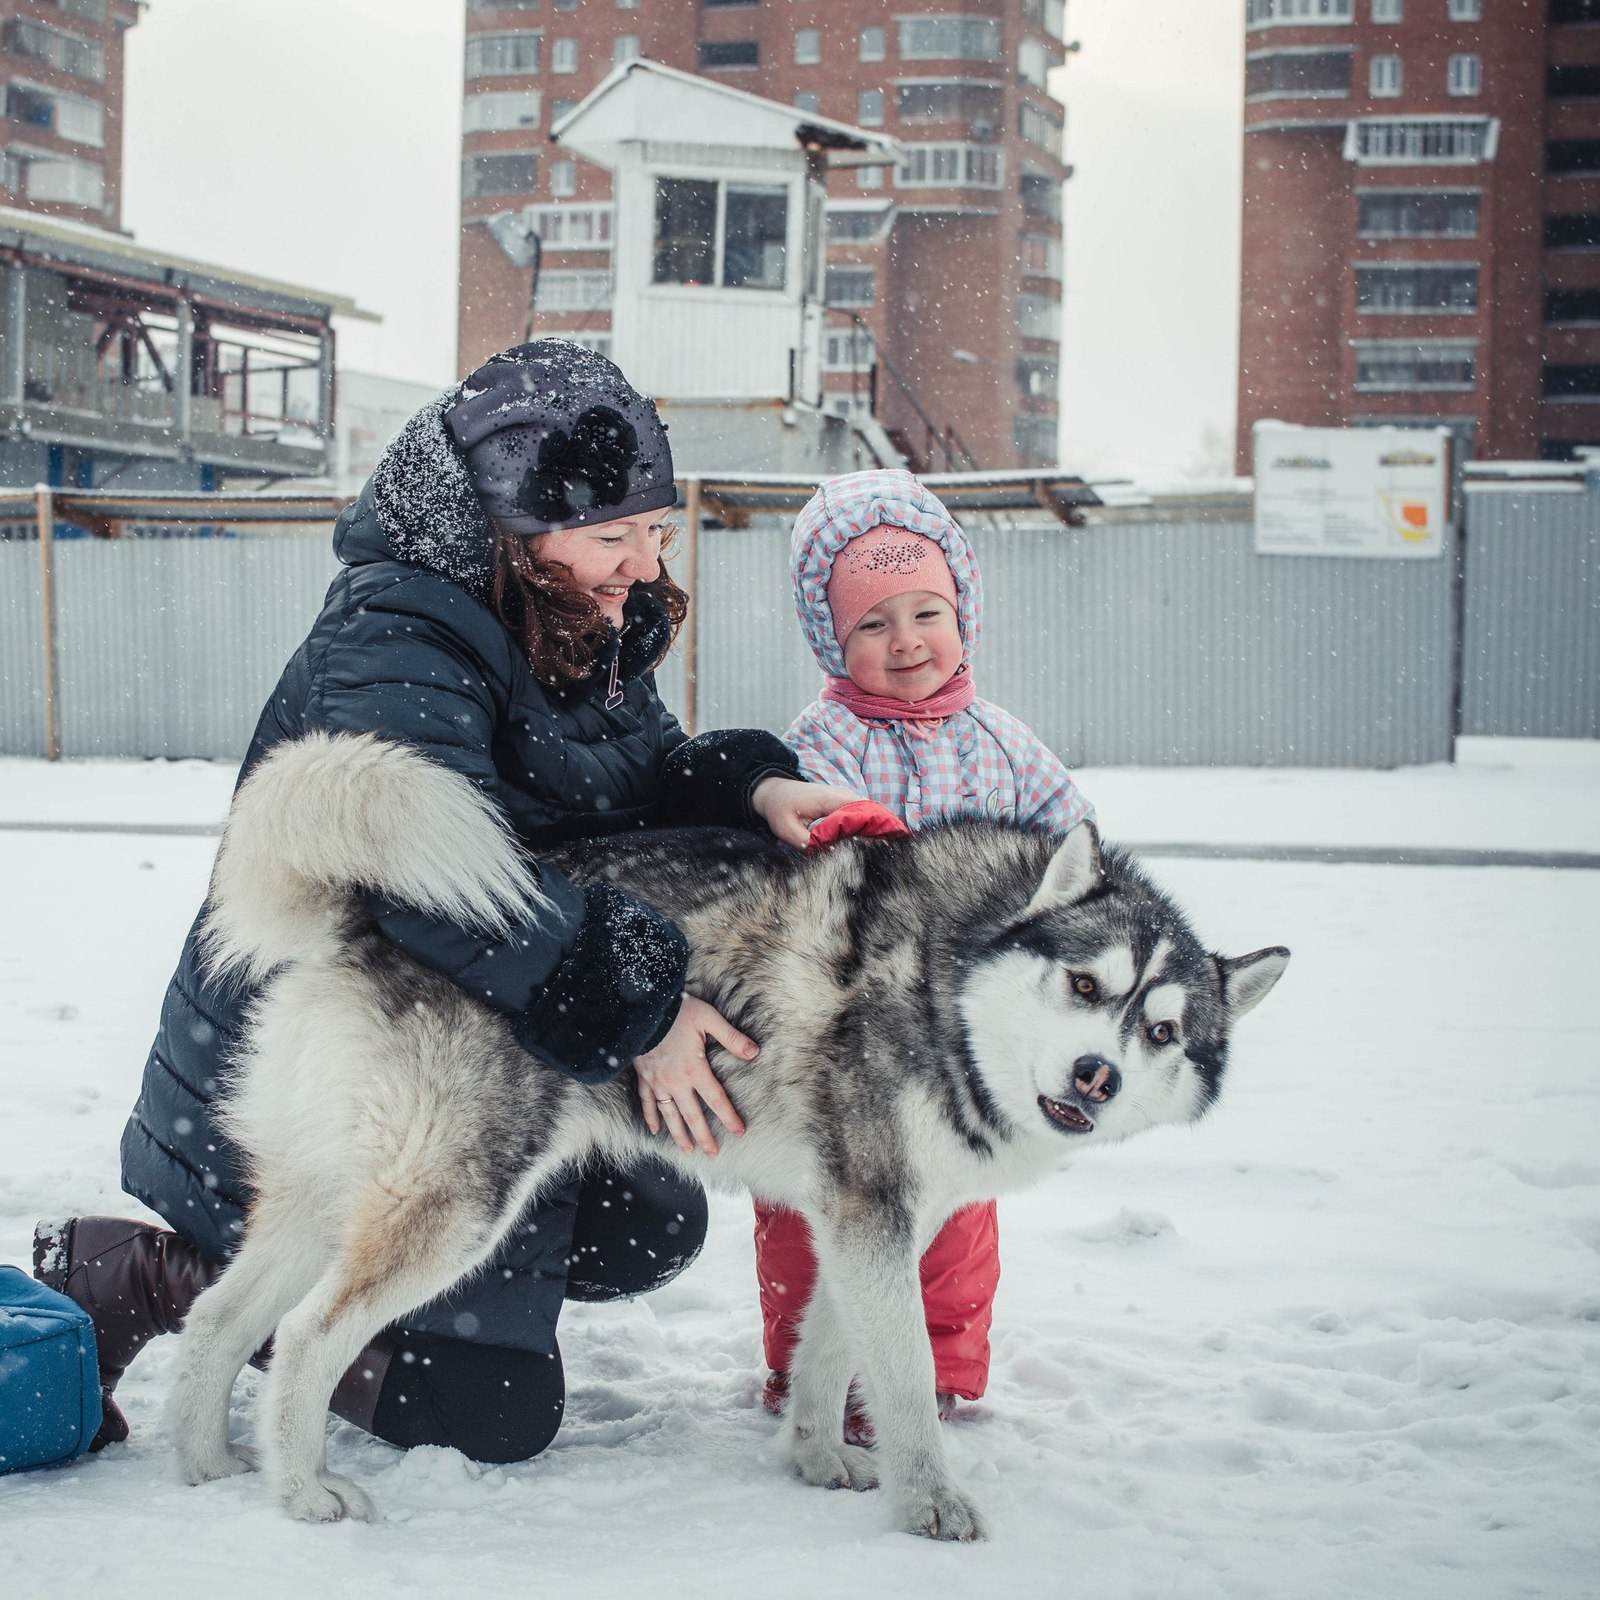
[44, 512]
[691, 628]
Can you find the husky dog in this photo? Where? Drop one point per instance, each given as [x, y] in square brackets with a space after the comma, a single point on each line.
[940, 1018]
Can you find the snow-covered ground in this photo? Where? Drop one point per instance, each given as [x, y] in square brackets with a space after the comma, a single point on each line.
[1339, 1339]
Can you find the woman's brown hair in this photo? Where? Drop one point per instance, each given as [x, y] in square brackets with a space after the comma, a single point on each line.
[560, 629]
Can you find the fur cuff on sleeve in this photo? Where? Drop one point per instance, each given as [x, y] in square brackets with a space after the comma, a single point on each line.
[710, 779]
[616, 994]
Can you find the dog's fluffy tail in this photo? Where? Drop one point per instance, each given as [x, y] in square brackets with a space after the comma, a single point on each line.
[329, 815]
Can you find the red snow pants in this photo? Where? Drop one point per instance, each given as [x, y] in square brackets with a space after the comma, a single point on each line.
[960, 1272]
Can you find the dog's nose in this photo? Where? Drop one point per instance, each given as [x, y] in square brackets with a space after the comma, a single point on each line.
[1095, 1078]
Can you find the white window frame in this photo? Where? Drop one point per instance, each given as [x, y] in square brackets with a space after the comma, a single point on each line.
[1438, 349]
[496, 110]
[563, 179]
[869, 177]
[555, 225]
[857, 274]
[1397, 268]
[62, 180]
[1038, 316]
[1298, 13]
[564, 56]
[872, 44]
[575, 289]
[624, 48]
[1033, 63]
[851, 349]
[1388, 11]
[808, 101]
[1385, 74]
[1464, 74]
[719, 255]
[951, 165]
[949, 38]
[1465, 10]
[808, 47]
[1405, 141]
[866, 118]
[65, 108]
[528, 40]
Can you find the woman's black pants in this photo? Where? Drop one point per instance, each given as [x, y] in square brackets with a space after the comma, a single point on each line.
[633, 1232]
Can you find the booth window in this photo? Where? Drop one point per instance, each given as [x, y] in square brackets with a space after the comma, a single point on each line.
[717, 234]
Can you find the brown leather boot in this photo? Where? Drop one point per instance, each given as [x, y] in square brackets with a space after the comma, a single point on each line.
[134, 1280]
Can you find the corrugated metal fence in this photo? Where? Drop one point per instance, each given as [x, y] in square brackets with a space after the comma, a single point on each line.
[1125, 641]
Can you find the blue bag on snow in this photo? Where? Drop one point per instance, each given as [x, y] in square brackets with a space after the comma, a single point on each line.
[49, 1378]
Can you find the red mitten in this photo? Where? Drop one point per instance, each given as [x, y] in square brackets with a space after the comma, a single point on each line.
[860, 816]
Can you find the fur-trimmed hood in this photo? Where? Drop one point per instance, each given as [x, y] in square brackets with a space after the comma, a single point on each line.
[844, 508]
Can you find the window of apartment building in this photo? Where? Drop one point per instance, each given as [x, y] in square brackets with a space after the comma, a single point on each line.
[564, 55]
[1302, 13]
[854, 224]
[572, 227]
[1038, 377]
[1040, 127]
[1041, 257]
[1041, 196]
[1038, 316]
[807, 46]
[1417, 364]
[869, 177]
[564, 178]
[559, 109]
[1421, 141]
[1035, 439]
[728, 234]
[729, 53]
[808, 100]
[477, 7]
[52, 47]
[566, 5]
[950, 166]
[1572, 155]
[1572, 83]
[1417, 214]
[1297, 74]
[1574, 11]
[65, 115]
[949, 38]
[1570, 380]
[1051, 15]
[1572, 305]
[1388, 10]
[712, 5]
[504, 172]
[63, 180]
[869, 108]
[502, 55]
[627, 5]
[848, 349]
[1464, 75]
[1572, 230]
[1033, 62]
[625, 47]
[1466, 10]
[89, 10]
[871, 46]
[1383, 77]
[492, 113]
[10, 171]
[851, 287]
[1415, 287]
[583, 290]
[976, 104]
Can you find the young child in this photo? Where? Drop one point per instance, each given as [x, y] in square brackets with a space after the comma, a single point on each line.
[889, 597]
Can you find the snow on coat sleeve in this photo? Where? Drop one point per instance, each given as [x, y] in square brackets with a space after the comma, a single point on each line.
[592, 981]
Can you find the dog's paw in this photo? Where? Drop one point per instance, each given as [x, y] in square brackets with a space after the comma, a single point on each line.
[206, 1466]
[946, 1514]
[330, 1498]
[831, 1465]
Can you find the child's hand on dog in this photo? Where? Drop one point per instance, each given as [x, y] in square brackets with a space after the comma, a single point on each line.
[677, 1086]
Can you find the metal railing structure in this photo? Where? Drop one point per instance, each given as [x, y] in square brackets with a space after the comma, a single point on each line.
[1142, 633]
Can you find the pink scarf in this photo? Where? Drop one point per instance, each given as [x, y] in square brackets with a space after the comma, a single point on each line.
[955, 696]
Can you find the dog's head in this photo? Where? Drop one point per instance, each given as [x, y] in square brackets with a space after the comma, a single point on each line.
[1098, 1012]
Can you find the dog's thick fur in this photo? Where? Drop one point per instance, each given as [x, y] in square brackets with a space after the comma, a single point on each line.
[941, 1018]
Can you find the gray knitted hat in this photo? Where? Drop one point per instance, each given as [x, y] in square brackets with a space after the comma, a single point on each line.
[555, 437]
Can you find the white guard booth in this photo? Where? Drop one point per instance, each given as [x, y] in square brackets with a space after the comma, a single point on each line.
[719, 238]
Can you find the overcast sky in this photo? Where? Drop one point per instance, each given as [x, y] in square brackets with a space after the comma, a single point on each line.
[319, 140]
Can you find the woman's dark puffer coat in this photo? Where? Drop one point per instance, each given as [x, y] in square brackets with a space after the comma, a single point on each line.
[407, 647]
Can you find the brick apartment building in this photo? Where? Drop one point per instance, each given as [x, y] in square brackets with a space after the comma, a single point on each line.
[62, 63]
[944, 271]
[1422, 219]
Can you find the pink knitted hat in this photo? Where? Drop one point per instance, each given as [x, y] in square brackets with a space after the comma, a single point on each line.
[881, 562]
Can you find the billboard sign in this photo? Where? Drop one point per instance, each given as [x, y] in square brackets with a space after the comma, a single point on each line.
[1381, 493]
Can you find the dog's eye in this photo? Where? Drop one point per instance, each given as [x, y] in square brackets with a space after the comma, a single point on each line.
[1085, 985]
[1162, 1033]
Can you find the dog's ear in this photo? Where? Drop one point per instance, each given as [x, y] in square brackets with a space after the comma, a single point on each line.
[1075, 871]
[1248, 980]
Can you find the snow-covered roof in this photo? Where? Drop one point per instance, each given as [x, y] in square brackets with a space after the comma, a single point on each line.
[644, 100]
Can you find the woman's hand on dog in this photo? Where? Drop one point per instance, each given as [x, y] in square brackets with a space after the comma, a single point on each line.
[789, 807]
[676, 1084]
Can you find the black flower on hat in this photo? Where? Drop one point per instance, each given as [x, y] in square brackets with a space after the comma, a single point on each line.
[579, 470]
